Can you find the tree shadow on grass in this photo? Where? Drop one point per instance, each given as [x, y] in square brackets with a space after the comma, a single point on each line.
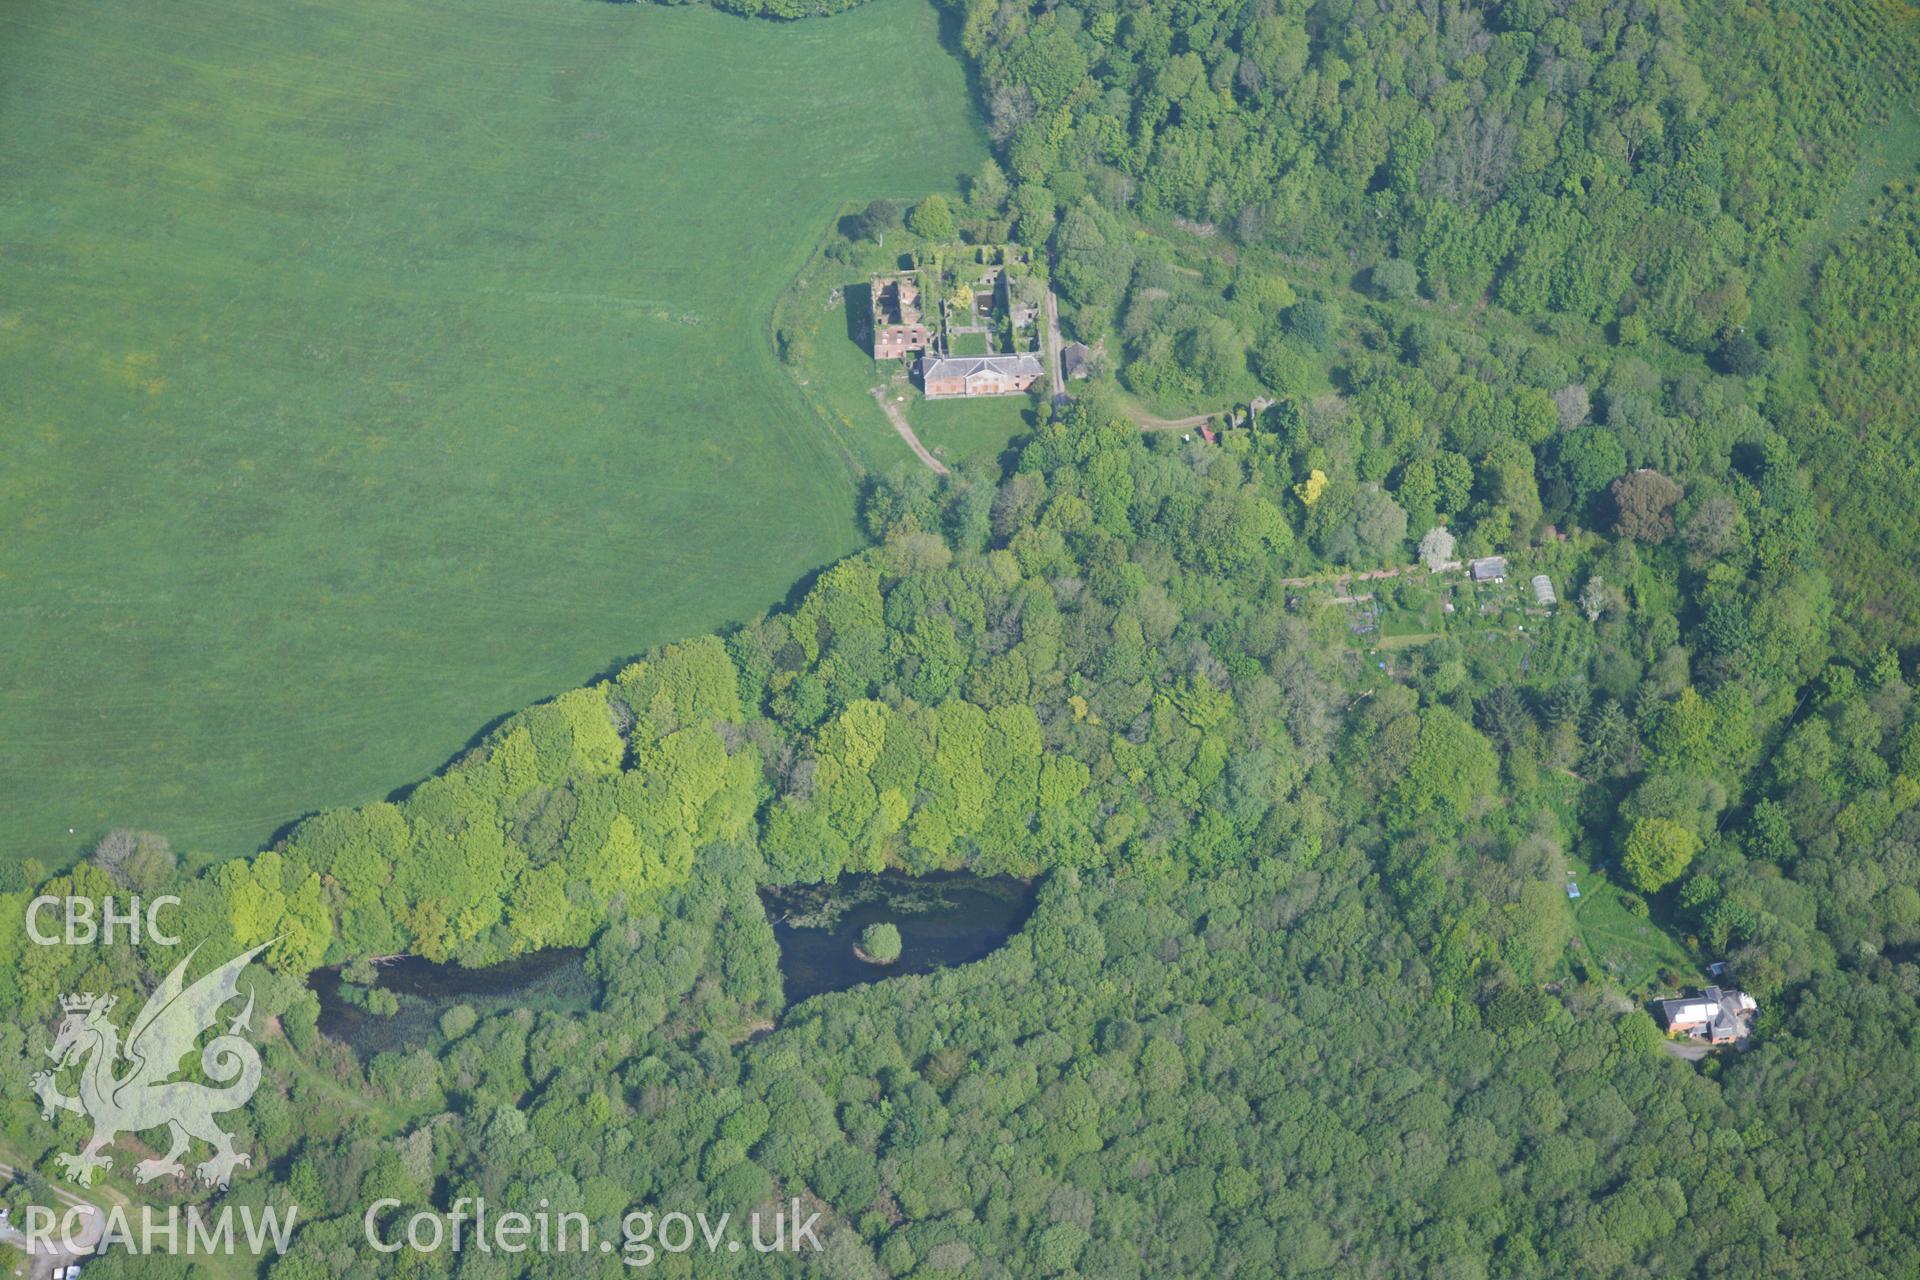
[952, 24]
[858, 305]
[1008, 459]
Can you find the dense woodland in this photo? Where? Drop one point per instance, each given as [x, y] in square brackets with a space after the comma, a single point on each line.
[1302, 994]
[1285, 1005]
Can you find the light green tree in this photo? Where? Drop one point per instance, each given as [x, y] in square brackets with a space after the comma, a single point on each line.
[881, 942]
[1658, 850]
[932, 219]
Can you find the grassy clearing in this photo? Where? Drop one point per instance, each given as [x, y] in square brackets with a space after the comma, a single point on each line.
[375, 368]
[1421, 614]
[114, 1189]
[1631, 949]
[1888, 153]
[1859, 356]
[822, 311]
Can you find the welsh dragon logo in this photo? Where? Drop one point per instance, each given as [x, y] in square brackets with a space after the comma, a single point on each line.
[145, 1096]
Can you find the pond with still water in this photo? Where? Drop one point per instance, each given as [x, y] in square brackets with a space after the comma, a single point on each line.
[944, 918]
[556, 980]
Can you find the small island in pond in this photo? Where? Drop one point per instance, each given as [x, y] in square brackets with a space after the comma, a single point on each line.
[942, 919]
[879, 944]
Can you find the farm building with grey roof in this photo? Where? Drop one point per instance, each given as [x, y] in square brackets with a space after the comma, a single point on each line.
[943, 377]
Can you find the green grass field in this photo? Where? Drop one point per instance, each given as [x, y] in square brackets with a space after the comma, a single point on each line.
[374, 369]
[1888, 152]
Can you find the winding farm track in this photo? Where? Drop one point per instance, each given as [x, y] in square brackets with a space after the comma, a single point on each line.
[44, 1261]
[1147, 422]
[1370, 575]
[899, 421]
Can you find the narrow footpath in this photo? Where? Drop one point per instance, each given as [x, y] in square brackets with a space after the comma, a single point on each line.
[899, 421]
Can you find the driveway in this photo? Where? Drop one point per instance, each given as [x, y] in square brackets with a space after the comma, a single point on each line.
[1056, 360]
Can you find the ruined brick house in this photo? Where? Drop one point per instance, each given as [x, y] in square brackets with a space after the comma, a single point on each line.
[898, 327]
[933, 309]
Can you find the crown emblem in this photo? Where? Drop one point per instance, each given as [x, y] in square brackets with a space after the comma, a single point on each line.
[126, 1088]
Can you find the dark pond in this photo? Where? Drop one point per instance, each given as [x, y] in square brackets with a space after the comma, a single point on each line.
[553, 980]
[945, 918]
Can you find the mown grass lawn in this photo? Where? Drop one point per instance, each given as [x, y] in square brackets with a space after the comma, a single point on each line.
[376, 367]
[1631, 949]
[982, 428]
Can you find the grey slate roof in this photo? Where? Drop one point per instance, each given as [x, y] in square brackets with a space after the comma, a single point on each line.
[1724, 1023]
[1487, 567]
[1024, 362]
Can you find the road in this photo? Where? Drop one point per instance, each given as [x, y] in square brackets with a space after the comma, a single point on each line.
[1688, 1051]
[1056, 359]
[43, 1262]
[899, 421]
